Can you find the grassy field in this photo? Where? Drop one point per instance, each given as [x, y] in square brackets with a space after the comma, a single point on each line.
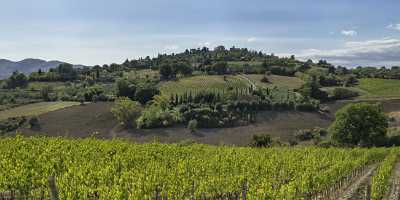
[35, 109]
[199, 83]
[374, 87]
[279, 81]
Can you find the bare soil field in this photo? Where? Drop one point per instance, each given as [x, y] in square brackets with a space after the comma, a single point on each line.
[96, 119]
[280, 125]
[76, 121]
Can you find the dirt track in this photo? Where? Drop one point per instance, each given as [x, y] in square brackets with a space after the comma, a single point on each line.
[360, 188]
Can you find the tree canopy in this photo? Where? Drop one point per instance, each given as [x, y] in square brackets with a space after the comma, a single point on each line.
[360, 124]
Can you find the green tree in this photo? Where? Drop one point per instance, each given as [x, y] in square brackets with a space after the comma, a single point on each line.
[125, 88]
[166, 71]
[17, 79]
[220, 67]
[359, 124]
[145, 93]
[312, 89]
[126, 111]
[67, 71]
[46, 92]
[183, 68]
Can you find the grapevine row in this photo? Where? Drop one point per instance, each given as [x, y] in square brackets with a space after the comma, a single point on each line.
[121, 170]
[380, 181]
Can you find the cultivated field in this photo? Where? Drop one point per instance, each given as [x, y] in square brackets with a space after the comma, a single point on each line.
[121, 170]
[204, 83]
[76, 121]
[278, 81]
[35, 109]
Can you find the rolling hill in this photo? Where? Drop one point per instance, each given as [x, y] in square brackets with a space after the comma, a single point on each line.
[26, 66]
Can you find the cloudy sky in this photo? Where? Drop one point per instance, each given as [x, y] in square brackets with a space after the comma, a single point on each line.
[356, 32]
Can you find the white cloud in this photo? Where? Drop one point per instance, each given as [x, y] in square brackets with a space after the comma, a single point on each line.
[252, 39]
[205, 44]
[384, 51]
[394, 27]
[172, 47]
[349, 33]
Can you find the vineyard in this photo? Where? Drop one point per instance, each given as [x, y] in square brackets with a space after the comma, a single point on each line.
[286, 82]
[90, 168]
[204, 83]
[35, 109]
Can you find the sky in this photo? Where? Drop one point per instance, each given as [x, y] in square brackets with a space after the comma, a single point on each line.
[89, 32]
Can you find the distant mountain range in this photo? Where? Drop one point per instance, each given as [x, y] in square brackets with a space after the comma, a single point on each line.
[27, 66]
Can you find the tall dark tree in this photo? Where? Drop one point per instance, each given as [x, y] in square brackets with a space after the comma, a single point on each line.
[166, 71]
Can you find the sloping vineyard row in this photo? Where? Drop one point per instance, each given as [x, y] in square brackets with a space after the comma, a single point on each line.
[122, 170]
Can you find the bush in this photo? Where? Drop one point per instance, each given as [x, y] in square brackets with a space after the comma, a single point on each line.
[46, 93]
[304, 135]
[11, 124]
[34, 122]
[343, 93]
[265, 79]
[192, 125]
[154, 116]
[310, 134]
[146, 93]
[126, 111]
[328, 144]
[263, 140]
[125, 88]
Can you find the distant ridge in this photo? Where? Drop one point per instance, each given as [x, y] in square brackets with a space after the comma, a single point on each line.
[27, 66]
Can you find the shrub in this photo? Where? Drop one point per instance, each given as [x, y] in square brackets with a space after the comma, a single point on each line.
[146, 93]
[265, 79]
[310, 134]
[304, 135]
[126, 111]
[154, 116]
[343, 93]
[11, 124]
[125, 88]
[263, 140]
[34, 122]
[328, 144]
[46, 92]
[192, 125]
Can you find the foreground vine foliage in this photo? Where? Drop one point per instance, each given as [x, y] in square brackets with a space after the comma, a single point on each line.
[119, 169]
[380, 181]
